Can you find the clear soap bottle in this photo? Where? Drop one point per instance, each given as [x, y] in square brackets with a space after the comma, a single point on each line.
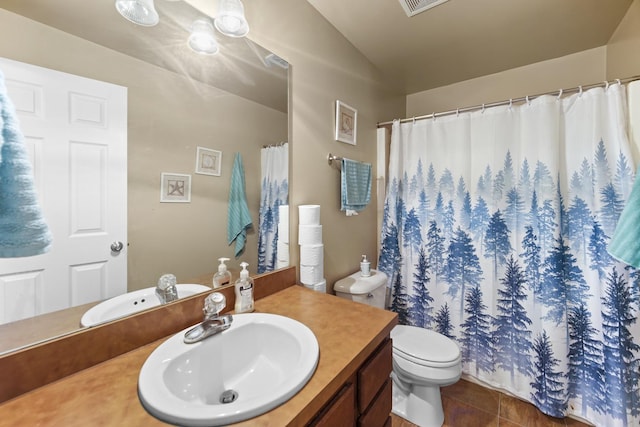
[222, 276]
[244, 291]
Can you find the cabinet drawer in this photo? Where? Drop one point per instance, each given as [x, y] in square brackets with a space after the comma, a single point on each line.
[340, 411]
[373, 374]
[379, 412]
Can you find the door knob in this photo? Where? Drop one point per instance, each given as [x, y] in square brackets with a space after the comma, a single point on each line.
[117, 247]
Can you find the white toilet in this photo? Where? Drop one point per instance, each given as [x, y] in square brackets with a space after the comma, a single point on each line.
[423, 360]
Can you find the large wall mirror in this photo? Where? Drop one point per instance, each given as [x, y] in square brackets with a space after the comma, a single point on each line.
[178, 100]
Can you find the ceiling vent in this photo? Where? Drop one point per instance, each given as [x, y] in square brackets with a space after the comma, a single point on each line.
[414, 7]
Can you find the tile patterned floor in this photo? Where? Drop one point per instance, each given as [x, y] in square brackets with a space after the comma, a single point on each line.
[467, 404]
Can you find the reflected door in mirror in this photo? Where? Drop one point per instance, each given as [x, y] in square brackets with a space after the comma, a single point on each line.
[75, 130]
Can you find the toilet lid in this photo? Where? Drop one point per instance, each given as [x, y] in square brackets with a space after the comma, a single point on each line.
[424, 346]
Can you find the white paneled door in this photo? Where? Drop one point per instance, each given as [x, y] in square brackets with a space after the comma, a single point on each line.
[75, 130]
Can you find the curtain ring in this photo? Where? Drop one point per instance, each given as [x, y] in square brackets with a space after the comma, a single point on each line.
[414, 120]
[433, 116]
[528, 100]
[559, 94]
[457, 112]
[606, 85]
[618, 81]
[510, 103]
[580, 90]
[482, 109]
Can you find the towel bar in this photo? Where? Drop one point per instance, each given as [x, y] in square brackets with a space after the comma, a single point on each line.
[331, 158]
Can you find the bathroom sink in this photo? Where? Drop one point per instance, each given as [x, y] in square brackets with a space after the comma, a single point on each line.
[133, 302]
[260, 362]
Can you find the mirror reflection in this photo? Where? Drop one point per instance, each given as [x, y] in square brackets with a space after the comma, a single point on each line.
[232, 105]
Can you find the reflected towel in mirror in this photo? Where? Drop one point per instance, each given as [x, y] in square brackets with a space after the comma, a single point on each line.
[239, 218]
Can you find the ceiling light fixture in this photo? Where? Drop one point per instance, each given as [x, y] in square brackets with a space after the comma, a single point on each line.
[141, 12]
[230, 19]
[202, 38]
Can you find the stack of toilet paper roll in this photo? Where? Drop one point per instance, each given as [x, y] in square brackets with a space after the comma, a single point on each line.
[311, 248]
[283, 237]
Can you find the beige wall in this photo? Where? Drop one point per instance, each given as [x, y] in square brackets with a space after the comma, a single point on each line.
[325, 68]
[623, 49]
[581, 68]
[169, 116]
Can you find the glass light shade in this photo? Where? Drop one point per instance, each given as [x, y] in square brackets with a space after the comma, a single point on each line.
[202, 38]
[230, 19]
[141, 12]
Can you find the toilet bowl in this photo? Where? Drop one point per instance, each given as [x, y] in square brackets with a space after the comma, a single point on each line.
[423, 360]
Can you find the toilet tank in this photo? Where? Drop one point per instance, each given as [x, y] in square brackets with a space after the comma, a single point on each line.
[369, 290]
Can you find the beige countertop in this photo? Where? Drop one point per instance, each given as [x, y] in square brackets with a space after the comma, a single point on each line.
[106, 394]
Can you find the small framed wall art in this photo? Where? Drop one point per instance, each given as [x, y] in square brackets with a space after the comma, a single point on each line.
[175, 188]
[346, 123]
[208, 161]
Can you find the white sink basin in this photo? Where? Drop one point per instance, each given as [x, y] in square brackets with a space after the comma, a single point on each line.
[133, 302]
[261, 361]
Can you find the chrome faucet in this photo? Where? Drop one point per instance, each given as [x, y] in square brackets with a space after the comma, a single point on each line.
[166, 290]
[213, 323]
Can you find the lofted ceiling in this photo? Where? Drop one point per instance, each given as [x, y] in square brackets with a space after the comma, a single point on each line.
[463, 39]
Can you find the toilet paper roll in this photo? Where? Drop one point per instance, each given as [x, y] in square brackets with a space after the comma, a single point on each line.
[312, 254]
[309, 214]
[309, 234]
[311, 274]
[318, 287]
[283, 232]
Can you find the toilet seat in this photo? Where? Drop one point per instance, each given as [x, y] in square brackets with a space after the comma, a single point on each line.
[424, 347]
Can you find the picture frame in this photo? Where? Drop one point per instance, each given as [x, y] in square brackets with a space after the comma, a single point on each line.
[208, 161]
[175, 188]
[346, 123]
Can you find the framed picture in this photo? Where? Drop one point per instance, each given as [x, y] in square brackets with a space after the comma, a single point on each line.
[175, 188]
[208, 161]
[346, 123]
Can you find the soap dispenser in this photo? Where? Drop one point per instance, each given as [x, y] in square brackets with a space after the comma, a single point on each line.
[244, 291]
[365, 267]
[222, 276]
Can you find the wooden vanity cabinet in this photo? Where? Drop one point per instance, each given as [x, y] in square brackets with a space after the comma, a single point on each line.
[365, 399]
[340, 411]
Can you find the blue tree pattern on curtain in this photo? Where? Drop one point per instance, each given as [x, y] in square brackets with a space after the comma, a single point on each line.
[274, 192]
[505, 267]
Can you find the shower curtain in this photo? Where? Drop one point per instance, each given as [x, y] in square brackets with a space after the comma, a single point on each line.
[274, 193]
[495, 230]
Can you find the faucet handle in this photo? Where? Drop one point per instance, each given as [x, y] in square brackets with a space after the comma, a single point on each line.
[166, 281]
[213, 304]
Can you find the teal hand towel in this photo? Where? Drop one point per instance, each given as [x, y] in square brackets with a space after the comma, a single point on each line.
[625, 244]
[239, 218]
[23, 231]
[356, 185]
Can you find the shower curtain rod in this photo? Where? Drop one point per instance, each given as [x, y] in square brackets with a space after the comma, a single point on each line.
[511, 101]
[279, 144]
